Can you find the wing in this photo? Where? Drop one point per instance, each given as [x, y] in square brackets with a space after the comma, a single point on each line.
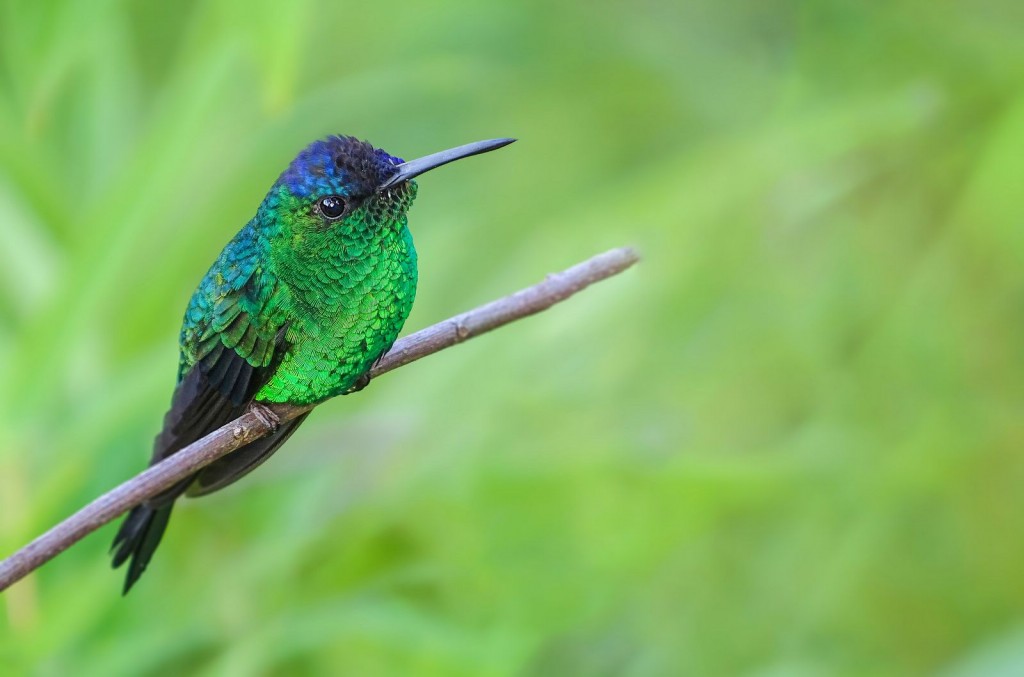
[232, 341]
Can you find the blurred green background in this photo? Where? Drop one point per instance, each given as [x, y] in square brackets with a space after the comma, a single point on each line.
[789, 443]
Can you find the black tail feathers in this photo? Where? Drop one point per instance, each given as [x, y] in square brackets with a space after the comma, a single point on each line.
[138, 538]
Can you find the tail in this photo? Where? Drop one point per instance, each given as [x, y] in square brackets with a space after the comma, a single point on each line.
[138, 538]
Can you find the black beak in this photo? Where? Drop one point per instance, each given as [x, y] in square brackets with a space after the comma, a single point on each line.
[414, 168]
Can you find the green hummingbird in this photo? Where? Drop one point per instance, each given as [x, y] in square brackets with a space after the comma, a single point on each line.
[296, 309]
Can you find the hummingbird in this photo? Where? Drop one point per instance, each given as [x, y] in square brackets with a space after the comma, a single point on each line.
[296, 309]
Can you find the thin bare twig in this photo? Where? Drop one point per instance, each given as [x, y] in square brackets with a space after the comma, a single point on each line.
[250, 426]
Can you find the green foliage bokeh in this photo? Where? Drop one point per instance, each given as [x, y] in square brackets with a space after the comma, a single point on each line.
[789, 443]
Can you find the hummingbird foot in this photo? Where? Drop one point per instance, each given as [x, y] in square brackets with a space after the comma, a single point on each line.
[360, 383]
[266, 416]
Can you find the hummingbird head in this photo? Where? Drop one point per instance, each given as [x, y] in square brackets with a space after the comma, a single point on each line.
[342, 182]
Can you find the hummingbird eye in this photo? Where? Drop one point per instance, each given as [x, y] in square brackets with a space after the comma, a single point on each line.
[332, 206]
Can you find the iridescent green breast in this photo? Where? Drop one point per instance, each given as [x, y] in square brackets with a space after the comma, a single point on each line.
[347, 307]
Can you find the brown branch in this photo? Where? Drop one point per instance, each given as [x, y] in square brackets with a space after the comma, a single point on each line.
[251, 426]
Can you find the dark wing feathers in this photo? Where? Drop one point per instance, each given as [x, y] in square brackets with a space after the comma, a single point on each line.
[232, 341]
[231, 468]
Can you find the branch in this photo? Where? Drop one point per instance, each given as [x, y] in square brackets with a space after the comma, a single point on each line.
[250, 426]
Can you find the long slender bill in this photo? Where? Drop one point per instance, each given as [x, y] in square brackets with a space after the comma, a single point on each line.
[414, 168]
